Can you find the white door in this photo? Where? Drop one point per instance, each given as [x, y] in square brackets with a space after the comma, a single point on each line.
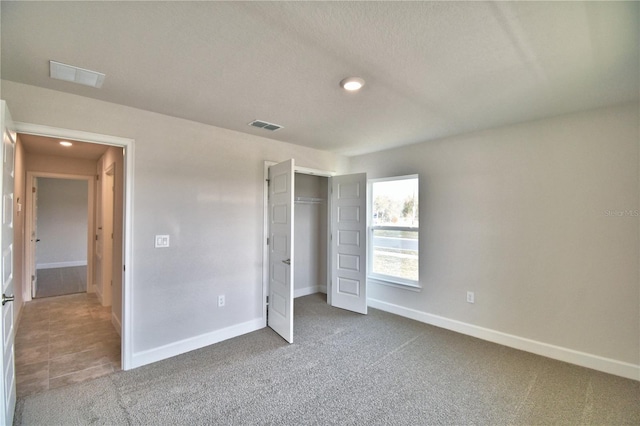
[349, 242]
[33, 241]
[280, 307]
[8, 385]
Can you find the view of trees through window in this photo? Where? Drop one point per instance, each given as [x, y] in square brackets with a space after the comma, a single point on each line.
[394, 226]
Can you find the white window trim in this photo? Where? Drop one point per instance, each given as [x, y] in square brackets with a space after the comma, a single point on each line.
[381, 278]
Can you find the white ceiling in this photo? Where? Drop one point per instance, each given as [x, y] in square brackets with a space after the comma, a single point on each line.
[432, 69]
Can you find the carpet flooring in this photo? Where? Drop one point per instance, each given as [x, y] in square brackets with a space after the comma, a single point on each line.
[344, 369]
[61, 281]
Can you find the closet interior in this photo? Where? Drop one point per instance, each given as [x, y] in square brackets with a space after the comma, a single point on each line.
[310, 234]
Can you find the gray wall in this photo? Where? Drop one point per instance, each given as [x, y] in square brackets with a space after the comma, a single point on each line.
[200, 184]
[62, 223]
[517, 214]
[524, 216]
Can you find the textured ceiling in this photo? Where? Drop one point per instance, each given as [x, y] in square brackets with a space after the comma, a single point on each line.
[433, 69]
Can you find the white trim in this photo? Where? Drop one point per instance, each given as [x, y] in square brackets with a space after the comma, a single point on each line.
[78, 135]
[68, 264]
[173, 349]
[127, 252]
[299, 292]
[116, 323]
[607, 365]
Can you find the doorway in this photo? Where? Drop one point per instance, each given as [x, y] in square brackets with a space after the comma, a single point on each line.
[346, 243]
[122, 153]
[59, 235]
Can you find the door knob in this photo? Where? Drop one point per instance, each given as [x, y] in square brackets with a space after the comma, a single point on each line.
[6, 299]
[288, 261]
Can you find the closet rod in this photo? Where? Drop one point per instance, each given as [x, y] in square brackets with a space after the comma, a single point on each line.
[308, 200]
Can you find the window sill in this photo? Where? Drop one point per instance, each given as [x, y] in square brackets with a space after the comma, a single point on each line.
[404, 286]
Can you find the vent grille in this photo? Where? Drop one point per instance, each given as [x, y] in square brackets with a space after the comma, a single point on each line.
[74, 74]
[265, 125]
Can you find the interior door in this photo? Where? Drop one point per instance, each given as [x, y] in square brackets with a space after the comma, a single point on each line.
[349, 242]
[33, 243]
[280, 307]
[8, 385]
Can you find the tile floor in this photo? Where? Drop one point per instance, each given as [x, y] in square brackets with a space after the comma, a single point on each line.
[59, 281]
[63, 340]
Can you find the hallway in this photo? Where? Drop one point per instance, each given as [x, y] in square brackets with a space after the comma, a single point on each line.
[61, 281]
[64, 340]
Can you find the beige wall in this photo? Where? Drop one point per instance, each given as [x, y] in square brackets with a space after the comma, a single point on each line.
[19, 278]
[528, 217]
[115, 156]
[53, 164]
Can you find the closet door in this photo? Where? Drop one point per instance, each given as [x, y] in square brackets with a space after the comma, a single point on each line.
[280, 308]
[349, 242]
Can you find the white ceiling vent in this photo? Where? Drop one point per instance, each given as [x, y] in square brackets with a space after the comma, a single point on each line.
[75, 74]
[264, 125]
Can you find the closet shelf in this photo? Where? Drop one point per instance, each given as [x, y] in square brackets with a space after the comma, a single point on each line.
[309, 200]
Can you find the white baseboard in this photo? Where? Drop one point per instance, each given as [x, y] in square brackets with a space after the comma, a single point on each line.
[167, 351]
[68, 264]
[299, 292]
[116, 323]
[607, 365]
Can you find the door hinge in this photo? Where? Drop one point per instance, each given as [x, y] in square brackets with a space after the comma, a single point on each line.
[124, 268]
[97, 177]
[33, 189]
[112, 235]
[268, 181]
[33, 278]
[267, 240]
[96, 237]
[267, 300]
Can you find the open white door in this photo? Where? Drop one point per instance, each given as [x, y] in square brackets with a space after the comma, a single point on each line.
[8, 382]
[349, 242]
[280, 307]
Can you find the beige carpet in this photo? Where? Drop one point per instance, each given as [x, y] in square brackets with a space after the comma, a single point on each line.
[345, 369]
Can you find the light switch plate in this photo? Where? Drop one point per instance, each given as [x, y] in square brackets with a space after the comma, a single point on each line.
[162, 241]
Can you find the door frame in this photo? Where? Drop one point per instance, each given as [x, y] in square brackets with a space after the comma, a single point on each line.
[27, 291]
[265, 228]
[127, 249]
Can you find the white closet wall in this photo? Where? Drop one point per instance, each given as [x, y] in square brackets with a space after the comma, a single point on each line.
[310, 235]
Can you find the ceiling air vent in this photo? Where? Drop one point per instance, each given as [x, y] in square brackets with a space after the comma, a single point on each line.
[74, 74]
[264, 125]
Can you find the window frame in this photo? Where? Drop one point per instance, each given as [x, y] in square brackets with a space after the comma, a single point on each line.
[377, 278]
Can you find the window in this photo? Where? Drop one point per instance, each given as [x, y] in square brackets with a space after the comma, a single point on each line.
[393, 230]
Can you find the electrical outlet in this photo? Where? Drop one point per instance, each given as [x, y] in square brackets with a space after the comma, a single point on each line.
[221, 301]
[471, 298]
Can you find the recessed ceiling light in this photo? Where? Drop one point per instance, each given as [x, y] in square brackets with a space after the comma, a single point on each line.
[65, 143]
[352, 84]
[77, 75]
